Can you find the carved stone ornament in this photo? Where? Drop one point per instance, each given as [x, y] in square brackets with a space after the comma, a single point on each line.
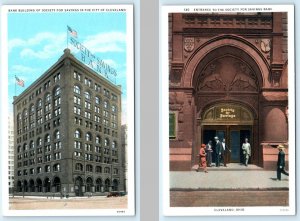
[189, 44]
[228, 74]
[176, 73]
[265, 45]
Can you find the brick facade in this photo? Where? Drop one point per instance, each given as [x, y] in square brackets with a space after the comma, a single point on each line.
[236, 61]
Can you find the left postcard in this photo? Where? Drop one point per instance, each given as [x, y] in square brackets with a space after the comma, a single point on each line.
[67, 110]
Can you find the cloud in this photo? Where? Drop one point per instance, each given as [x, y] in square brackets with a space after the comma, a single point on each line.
[16, 42]
[52, 45]
[106, 42]
[110, 62]
[22, 69]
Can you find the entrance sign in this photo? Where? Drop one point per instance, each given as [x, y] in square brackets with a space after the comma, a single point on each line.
[225, 114]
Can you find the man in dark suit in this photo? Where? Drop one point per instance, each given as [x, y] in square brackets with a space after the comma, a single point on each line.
[224, 152]
[281, 162]
[219, 151]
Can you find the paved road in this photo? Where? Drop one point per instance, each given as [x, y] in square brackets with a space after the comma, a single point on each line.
[33, 203]
[228, 198]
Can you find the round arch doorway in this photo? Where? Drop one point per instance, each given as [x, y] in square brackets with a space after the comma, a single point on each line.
[232, 122]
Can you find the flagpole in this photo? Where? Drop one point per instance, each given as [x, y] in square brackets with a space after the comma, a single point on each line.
[67, 37]
[15, 86]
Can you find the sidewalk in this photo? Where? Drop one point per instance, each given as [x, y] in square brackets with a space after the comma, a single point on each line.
[233, 177]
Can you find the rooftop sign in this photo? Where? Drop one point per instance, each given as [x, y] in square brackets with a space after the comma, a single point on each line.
[90, 59]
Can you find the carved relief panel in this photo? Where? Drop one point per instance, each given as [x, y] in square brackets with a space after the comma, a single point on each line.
[227, 74]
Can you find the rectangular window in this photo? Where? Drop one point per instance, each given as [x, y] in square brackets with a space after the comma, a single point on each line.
[172, 125]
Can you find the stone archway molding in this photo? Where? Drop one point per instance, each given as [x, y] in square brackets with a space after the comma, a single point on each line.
[221, 41]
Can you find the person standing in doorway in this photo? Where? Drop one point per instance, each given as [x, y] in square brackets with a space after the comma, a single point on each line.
[218, 151]
[209, 152]
[281, 162]
[246, 151]
[202, 160]
[224, 152]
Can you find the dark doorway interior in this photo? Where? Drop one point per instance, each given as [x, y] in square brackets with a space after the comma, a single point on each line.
[235, 136]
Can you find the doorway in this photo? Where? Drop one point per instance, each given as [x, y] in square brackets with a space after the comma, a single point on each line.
[234, 135]
[78, 186]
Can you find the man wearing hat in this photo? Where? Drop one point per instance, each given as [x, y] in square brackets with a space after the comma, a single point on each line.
[281, 162]
[219, 150]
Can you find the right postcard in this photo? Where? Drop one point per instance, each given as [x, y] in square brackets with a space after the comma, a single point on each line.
[228, 89]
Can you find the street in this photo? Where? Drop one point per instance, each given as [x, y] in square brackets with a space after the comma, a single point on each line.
[35, 203]
[228, 198]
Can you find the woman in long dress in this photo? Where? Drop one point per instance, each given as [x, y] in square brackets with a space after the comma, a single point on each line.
[202, 161]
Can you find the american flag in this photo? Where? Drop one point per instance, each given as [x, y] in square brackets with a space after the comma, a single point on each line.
[19, 82]
[72, 32]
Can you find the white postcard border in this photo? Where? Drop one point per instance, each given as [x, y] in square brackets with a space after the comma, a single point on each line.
[130, 211]
[164, 114]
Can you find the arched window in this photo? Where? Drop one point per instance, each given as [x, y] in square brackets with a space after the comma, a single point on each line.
[105, 104]
[107, 185]
[87, 95]
[89, 168]
[25, 113]
[47, 169]
[25, 147]
[77, 134]
[47, 138]
[77, 89]
[88, 137]
[97, 100]
[106, 142]
[57, 135]
[98, 169]
[31, 144]
[113, 108]
[98, 139]
[79, 167]
[57, 91]
[32, 108]
[39, 142]
[39, 169]
[114, 144]
[106, 170]
[39, 103]
[48, 97]
[56, 167]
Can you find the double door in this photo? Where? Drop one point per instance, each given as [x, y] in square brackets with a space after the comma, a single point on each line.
[234, 137]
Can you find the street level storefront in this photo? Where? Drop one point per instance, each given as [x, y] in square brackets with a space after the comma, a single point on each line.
[228, 78]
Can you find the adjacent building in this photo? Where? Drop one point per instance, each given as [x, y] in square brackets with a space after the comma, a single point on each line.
[68, 133]
[228, 78]
[124, 135]
[10, 153]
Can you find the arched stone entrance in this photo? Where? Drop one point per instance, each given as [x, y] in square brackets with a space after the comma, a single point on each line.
[79, 186]
[209, 67]
[57, 184]
[89, 185]
[107, 185]
[227, 84]
[230, 121]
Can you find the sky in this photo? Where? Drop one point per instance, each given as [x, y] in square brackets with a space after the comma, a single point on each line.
[37, 40]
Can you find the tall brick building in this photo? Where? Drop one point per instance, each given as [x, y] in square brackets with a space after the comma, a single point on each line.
[228, 78]
[68, 133]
